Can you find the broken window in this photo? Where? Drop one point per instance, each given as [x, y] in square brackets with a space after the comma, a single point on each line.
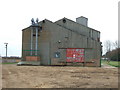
[57, 55]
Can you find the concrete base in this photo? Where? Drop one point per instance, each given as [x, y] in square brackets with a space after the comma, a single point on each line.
[29, 63]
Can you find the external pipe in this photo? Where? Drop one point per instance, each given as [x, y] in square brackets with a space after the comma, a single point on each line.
[36, 40]
[31, 41]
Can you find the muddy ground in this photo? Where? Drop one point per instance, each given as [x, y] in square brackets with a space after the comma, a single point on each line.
[58, 77]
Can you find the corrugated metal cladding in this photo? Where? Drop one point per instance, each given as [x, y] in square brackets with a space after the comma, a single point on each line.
[63, 42]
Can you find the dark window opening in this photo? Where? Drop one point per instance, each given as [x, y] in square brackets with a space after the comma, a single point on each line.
[57, 54]
[40, 28]
[64, 21]
[34, 34]
[43, 21]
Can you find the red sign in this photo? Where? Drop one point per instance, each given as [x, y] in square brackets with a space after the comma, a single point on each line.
[75, 55]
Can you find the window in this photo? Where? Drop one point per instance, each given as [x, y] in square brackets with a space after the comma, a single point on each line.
[57, 55]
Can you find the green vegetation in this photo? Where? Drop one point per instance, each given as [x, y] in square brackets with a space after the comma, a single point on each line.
[113, 55]
[112, 63]
[104, 61]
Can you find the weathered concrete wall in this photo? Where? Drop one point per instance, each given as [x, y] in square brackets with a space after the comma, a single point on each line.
[55, 38]
[43, 44]
[25, 42]
[89, 32]
[73, 40]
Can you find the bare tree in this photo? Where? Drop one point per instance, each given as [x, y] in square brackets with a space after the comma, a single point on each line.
[112, 49]
[108, 46]
[116, 44]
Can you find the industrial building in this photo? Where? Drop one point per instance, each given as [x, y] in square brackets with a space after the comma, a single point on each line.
[64, 42]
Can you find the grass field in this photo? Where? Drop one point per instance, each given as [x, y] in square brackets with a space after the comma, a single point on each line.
[112, 63]
[115, 63]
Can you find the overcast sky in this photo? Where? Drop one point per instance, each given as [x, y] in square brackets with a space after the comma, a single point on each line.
[16, 15]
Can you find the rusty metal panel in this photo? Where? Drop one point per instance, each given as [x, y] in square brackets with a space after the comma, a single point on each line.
[75, 55]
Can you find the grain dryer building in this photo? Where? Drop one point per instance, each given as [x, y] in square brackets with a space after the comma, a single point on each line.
[63, 42]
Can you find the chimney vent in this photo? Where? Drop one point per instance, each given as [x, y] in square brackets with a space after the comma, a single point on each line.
[82, 20]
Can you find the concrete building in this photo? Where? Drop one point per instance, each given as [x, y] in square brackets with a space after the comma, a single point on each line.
[64, 42]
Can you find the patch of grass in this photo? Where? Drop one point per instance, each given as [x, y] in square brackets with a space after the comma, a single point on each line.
[9, 63]
[112, 63]
[104, 61]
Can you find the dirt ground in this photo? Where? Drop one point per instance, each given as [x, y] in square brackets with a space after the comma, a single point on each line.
[58, 77]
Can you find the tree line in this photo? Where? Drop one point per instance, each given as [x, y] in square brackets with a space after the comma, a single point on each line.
[112, 50]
